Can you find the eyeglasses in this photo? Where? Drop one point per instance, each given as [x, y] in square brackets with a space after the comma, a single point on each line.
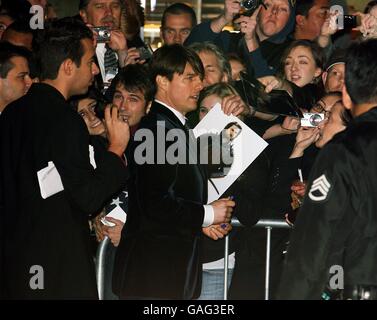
[321, 107]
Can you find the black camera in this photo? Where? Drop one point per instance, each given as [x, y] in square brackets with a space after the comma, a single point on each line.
[251, 5]
[146, 52]
[350, 21]
[103, 33]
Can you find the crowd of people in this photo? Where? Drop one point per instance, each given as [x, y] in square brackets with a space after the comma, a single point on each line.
[80, 98]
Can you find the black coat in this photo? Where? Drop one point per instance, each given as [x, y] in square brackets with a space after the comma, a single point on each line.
[158, 255]
[337, 224]
[52, 233]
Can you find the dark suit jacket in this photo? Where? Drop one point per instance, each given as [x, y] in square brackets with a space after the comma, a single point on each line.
[158, 256]
[52, 233]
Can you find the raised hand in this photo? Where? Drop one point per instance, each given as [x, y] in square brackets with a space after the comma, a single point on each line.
[248, 26]
[368, 26]
[133, 57]
[118, 131]
[274, 83]
[231, 8]
[233, 105]
[330, 26]
[305, 137]
[117, 41]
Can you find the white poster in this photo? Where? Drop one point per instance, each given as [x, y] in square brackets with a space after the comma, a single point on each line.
[244, 145]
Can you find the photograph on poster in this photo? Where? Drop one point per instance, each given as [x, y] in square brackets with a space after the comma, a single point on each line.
[239, 146]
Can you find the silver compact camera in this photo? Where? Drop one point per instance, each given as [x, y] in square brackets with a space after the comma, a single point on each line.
[103, 33]
[312, 119]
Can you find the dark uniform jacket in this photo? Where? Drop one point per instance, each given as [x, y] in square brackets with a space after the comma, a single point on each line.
[337, 224]
[158, 255]
[52, 233]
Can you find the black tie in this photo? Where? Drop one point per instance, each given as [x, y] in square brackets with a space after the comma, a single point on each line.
[110, 61]
[189, 131]
[187, 126]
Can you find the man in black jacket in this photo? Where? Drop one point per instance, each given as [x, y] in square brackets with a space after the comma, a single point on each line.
[158, 254]
[335, 236]
[46, 240]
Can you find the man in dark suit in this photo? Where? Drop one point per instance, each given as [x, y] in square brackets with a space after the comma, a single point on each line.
[46, 241]
[158, 256]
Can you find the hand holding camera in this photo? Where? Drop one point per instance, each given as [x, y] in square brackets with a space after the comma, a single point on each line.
[138, 55]
[330, 26]
[114, 38]
[304, 138]
[312, 120]
[231, 8]
[146, 52]
[133, 57]
[248, 25]
[368, 26]
[117, 41]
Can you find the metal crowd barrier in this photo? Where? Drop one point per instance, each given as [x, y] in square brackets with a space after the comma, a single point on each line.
[268, 224]
[100, 266]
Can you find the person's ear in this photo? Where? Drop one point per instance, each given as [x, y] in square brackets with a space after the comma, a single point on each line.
[300, 20]
[67, 67]
[84, 15]
[317, 72]
[347, 101]
[162, 82]
[324, 78]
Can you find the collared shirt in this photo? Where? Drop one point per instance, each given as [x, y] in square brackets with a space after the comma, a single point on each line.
[209, 213]
[179, 115]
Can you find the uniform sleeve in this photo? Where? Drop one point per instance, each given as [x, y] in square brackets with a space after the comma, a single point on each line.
[325, 205]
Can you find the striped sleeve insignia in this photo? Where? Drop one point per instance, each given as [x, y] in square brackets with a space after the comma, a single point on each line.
[320, 189]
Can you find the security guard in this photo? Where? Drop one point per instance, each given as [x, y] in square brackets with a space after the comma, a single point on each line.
[334, 244]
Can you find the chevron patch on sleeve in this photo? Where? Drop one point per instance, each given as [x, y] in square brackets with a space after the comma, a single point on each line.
[319, 189]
